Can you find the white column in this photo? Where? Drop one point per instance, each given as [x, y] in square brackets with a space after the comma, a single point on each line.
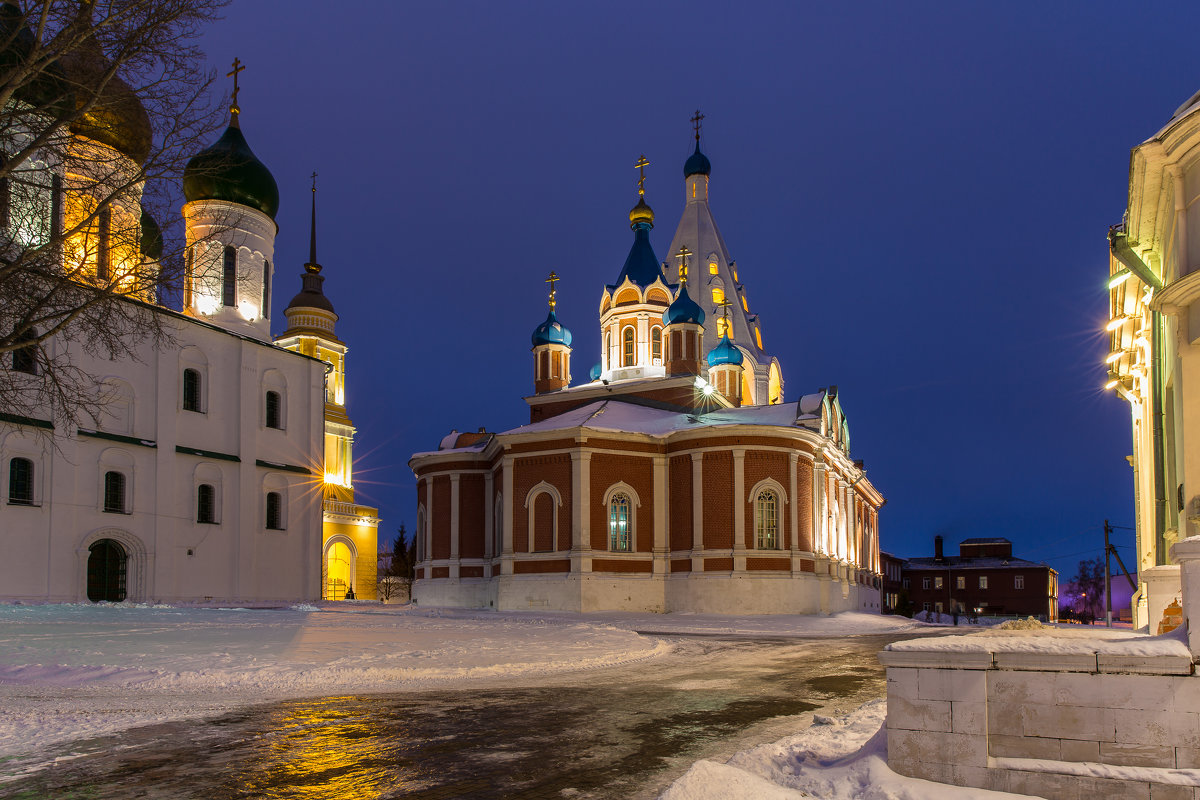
[489, 521]
[697, 512]
[661, 548]
[643, 340]
[581, 518]
[739, 509]
[455, 479]
[794, 508]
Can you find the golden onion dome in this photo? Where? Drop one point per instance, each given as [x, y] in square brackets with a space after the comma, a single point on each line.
[641, 213]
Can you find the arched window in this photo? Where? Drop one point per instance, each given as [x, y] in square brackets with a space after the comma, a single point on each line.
[274, 511]
[273, 415]
[620, 533]
[656, 346]
[608, 352]
[114, 492]
[24, 359]
[766, 520]
[266, 297]
[20, 482]
[627, 348]
[718, 295]
[104, 245]
[191, 390]
[722, 328]
[206, 504]
[712, 268]
[229, 277]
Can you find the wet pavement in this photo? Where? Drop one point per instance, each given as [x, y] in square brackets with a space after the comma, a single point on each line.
[621, 732]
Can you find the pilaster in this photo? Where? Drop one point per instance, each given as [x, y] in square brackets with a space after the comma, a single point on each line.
[697, 512]
[455, 561]
[506, 554]
[581, 520]
[739, 509]
[661, 549]
[794, 509]
[489, 522]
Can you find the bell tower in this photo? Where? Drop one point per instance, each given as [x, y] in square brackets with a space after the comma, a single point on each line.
[684, 321]
[551, 350]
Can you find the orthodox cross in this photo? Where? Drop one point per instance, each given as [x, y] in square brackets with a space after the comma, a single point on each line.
[238, 66]
[551, 280]
[314, 180]
[682, 255]
[696, 119]
[640, 166]
[724, 306]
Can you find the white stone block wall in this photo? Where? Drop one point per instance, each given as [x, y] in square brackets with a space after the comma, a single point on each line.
[1076, 730]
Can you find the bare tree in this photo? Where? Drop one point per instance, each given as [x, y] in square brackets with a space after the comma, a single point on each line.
[102, 102]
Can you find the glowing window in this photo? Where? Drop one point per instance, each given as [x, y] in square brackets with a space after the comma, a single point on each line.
[758, 337]
[718, 295]
[619, 538]
[656, 345]
[983, 581]
[608, 353]
[712, 268]
[937, 582]
[627, 348]
[960, 582]
[745, 305]
[766, 520]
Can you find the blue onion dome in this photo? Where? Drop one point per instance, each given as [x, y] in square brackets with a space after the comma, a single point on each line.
[152, 238]
[551, 332]
[725, 353]
[229, 170]
[683, 310]
[595, 373]
[697, 164]
[641, 214]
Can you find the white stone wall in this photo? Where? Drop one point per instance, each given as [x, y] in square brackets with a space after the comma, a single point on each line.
[172, 556]
[1046, 724]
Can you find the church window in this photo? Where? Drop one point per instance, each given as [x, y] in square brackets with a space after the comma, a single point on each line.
[627, 347]
[656, 346]
[266, 286]
[745, 305]
[114, 492]
[229, 277]
[191, 390]
[619, 529]
[608, 352]
[712, 268]
[20, 482]
[273, 415]
[104, 245]
[766, 520]
[722, 327]
[983, 581]
[718, 295]
[1018, 581]
[758, 337]
[274, 511]
[24, 359]
[206, 504]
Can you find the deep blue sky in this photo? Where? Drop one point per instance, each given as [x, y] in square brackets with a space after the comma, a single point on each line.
[917, 196]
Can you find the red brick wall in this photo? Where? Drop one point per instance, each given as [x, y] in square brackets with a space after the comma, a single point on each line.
[804, 476]
[440, 517]
[768, 563]
[679, 515]
[471, 499]
[759, 465]
[638, 472]
[681, 565]
[718, 565]
[718, 500]
[543, 523]
[540, 567]
[620, 565]
[527, 473]
[470, 572]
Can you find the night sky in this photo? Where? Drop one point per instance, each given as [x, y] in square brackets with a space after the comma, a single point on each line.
[917, 196]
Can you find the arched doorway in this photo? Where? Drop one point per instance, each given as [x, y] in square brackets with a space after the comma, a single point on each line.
[339, 571]
[107, 567]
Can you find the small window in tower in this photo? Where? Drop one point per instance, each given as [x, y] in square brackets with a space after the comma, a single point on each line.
[608, 353]
[745, 305]
[656, 346]
[206, 504]
[712, 268]
[722, 327]
[229, 277]
[274, 511]
[758, 337]
[628, 355]
[718, 295]
[266, 294]
[191, 390]
[273, 408]
[114, 492]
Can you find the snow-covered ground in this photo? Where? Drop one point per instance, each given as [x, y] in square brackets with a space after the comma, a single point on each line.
[843, 758]
[76, 671]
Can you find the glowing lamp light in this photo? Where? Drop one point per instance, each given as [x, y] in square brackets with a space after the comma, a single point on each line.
[1119, 278]
[1116, 323]
[1114, 356]
[248, 310]
[708, 389]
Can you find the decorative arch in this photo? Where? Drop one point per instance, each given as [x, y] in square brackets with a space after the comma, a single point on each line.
[628, 346]
[613, 493]
[656, 295]
[532, 506]
[138, 568]
[768, 518]
[339, 562]
[774, 383]
[115, 397]
[628, 295]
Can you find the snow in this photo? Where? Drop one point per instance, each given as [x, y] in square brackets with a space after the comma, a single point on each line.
[843, 758]
[1060, 641]
[77, 671]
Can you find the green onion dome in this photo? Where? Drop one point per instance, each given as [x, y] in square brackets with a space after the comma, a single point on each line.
[47, 89]
[551, 332]
[697, 164]
[725, 353]
[229, 170]
[683, 310]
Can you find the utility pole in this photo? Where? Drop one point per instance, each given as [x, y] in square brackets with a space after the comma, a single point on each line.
[1107, 577]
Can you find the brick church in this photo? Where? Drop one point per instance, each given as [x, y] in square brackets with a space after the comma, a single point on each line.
[676, 479]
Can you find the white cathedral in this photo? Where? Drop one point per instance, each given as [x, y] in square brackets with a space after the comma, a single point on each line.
[221, 467]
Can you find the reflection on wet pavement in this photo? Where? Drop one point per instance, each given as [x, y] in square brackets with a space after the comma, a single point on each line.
[602, 734]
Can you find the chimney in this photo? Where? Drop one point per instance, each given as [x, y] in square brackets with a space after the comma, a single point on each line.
[937, 547]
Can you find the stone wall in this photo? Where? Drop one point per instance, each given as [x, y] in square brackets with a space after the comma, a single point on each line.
[1059, 726]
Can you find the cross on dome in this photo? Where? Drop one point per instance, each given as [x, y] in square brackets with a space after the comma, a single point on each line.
[682, 255]
[697, 118]
[238, 66]
[640, 166]
[552, 280]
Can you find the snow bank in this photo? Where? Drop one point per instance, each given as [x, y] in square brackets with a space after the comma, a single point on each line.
[843, 758]
[1062, 641]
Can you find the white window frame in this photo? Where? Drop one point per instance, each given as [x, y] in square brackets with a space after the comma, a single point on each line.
[634, 503]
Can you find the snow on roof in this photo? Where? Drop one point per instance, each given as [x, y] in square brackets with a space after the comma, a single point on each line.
[958, 562]
[986, 540]
[616, 414]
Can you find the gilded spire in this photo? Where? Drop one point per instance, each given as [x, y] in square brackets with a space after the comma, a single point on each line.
[551, 280]
[234, 109]
[312, 265]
